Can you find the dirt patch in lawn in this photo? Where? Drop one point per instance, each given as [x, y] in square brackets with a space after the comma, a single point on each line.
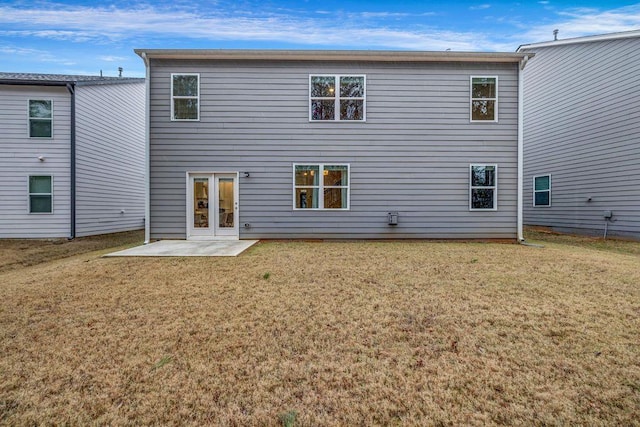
[342, 333]
[18, 253]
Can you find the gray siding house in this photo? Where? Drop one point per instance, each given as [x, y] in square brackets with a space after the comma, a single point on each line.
[582, 135]
[73, 156]
[332, 144]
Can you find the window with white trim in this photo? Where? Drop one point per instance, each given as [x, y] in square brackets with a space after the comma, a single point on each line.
[40, 118]
[321, 186]
[484, 99]
[542, 191]
[483, 188]
[40, 194]
[185, 97]
[337, 98]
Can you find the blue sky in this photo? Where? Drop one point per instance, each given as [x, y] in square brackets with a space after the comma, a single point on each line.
[84, 37]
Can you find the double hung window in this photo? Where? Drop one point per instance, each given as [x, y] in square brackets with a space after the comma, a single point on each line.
[321, 186]
[483, 191]
[542, 190]
[336, 97]
[185, 97]
[40, 118]
[484, 99]
[40, 194]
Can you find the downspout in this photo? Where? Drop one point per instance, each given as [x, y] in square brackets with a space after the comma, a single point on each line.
[523, 63]
[72, 91]
[147, 156]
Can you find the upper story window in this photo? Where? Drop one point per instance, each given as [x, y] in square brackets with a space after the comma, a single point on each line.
[40, 194]
[40, 118]
[336, 97]
[319, 186]
[542, 190]
[185, 97]
[484, 187]
[484, 99]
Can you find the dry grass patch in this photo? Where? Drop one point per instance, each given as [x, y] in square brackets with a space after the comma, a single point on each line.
[611, 244]
[18, 253]
[303, 333]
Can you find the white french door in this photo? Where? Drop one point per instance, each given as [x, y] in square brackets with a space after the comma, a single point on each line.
[212, 206]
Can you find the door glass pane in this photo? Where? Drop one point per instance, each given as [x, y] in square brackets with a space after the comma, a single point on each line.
[225, 203]
[201, 203]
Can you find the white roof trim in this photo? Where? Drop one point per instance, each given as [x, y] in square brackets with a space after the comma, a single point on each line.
[587, 39]
[331, 55]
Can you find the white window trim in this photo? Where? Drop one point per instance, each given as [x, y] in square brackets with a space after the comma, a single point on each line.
[494, 187]
[471, 99]
[173, 119]
[29, 118]
[29, 194]
[337, 98]
[321, 186]
[540, 191]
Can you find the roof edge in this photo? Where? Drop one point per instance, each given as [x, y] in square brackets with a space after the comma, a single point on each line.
[330, 55]
[585, 39]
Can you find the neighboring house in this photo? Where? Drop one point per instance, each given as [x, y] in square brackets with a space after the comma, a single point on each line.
[582, 134]
[332, 144]
[72, 155]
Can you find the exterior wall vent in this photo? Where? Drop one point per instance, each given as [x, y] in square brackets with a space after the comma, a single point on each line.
[392, 218]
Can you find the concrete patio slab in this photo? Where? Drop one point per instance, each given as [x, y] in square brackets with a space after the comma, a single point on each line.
[188, 248]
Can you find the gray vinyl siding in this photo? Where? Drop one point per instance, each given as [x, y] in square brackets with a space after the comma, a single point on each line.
[582, 126]
[412, 154]
[19, 159]
[110, 152]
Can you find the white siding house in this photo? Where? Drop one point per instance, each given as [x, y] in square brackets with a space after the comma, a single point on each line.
[72, 160]
[332, 144]
[582, 135]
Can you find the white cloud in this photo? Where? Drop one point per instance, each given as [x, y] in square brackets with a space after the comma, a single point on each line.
[480, 7]
[137, 24]
[111, 58]
[104, 24]
[35, 54]
[582, 22]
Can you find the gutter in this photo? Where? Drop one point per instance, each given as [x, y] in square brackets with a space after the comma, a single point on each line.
[520, 208]
[72, 91]
[329, 55]
[147, 149]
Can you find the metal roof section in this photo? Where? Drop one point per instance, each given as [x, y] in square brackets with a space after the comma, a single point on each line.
[586, 39]
[330, 55]
[61, 79]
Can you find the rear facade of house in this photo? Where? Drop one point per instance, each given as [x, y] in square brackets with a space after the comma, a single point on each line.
[73, 156]
[326, 144]
[582, 135]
